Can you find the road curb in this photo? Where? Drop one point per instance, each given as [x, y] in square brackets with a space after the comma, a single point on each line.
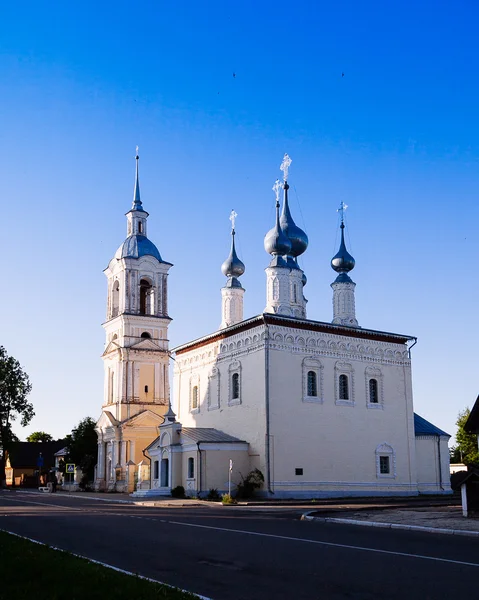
[308, 517]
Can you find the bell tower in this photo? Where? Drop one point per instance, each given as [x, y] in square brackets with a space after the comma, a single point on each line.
[136, 359]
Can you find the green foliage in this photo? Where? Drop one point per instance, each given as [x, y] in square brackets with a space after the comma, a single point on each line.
[253, 481]
[14, 389]
[39, 436]
[83, 446]
[466, 442]
[178, 492]
[213, 495]
[33, 571]
[228, 499]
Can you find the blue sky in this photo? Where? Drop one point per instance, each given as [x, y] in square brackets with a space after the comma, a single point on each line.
[396, 138]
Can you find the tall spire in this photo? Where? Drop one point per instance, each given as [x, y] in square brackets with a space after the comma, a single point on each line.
[344, 306]
[233, 267]
[297, 237]
[137, 205]
[232, 293]
[342, 262]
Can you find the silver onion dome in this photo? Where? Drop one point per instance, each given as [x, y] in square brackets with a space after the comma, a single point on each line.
[297, 237]
[342, 262]
[233, 266]
[276, 242]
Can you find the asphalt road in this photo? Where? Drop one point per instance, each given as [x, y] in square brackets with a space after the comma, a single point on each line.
[229, 553]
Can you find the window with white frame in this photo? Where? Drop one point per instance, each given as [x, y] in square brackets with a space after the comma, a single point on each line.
[343, 387]
[234, 383]
[191, 468]
[156, 469]
[312, 380]
[385, 461]
[194, 393]
[312, 384]
[374, 387]
[344, 383]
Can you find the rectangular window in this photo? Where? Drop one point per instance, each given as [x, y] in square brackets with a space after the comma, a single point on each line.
[384, 465]
[191, 468]
[156, 469]
[298, 471]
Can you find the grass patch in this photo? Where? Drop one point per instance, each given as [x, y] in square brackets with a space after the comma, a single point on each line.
[31, 571]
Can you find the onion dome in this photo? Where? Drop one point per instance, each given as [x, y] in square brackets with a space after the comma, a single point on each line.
[304, 279]
[232, 267]
[276, 242]
[342, 262]
[297, 237]
[136, 246]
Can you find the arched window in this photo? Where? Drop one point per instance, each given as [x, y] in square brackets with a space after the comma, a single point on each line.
[373, 391]
[235, 386]
[115, 299]
[343, 387]
[194, 397]
[312, 384]
[191, 468]
[140, 227]
[145, 297]
[295, 295]
[145, 335]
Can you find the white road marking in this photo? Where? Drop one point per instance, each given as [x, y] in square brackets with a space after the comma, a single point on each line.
[268, 535]
[331, 544]
[98, 562]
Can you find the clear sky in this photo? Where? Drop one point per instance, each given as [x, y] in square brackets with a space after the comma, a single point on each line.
[214, 93]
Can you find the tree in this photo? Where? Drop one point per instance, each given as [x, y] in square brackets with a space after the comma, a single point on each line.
[39, 436]
[82, 447]
[466, 442]
[14, 389]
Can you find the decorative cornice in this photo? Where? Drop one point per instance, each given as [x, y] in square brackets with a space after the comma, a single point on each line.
[295, 323]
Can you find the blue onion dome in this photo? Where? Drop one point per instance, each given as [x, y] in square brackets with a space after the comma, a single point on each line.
[276, 242]
[342, 262]
[297, 237]
[233, 267]
[136, 246]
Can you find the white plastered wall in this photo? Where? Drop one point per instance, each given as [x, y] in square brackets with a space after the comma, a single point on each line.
[432, 454]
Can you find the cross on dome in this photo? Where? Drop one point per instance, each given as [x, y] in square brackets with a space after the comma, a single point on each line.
[285, 166]
[341, 209]
[232, 218]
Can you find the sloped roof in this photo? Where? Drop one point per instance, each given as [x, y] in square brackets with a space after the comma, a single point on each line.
[208, 434]
[24, 455]
[472, 423]
[423, 427]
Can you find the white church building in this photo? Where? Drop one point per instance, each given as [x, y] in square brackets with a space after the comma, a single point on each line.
[320, 408]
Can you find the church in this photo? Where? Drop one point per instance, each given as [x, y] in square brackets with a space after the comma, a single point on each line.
[321, 408]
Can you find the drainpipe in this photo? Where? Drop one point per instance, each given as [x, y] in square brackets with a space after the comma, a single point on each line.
[143, 452]
[411, 347]
[266, 399]
[439, 459]
[199, 468]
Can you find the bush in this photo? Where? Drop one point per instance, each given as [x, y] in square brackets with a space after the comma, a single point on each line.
[227, 499]
[178, 492]
[213, 495]
[253, 481]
